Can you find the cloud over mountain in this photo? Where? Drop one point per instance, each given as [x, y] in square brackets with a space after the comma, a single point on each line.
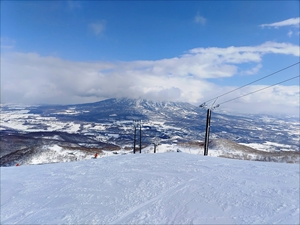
[32, 78]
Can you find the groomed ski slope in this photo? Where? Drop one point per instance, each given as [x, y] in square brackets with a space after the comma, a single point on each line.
[167, 188]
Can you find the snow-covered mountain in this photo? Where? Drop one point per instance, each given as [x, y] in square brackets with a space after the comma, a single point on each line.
[167, 188]
[31, 131]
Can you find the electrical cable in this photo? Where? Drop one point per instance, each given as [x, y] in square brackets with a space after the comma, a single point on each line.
[253, 81]
[259, 90]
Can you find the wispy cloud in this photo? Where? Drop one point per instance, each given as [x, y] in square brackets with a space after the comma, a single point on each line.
[98, 27]
[74, 5]
[200, 19]
[288, 22]
[253, 70]
[187, 78]
[7, 43]
[290, 33]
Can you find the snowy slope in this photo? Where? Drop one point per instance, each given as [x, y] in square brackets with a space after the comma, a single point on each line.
[167, 188]
[56, 151]
[229, 149]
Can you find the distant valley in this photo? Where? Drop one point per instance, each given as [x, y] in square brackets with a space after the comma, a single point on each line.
[79, 131]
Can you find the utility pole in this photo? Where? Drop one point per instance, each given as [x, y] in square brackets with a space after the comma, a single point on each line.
[140, 136]
[135, 124]
[134, 138]
[207, 131]
[156, 143]
[208, 116]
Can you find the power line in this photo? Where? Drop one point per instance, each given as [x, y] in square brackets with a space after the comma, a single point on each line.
[254, 81]
[259, 90]
[206, 142]
[204, 105]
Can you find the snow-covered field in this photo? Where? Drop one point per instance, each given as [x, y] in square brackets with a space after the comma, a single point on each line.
[167, 188]
[280, 135]
[24, 121]
[268, 146]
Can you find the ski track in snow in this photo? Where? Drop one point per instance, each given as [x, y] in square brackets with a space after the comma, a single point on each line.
[168, 188]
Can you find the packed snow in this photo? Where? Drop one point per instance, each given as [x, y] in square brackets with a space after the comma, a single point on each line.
[167, 188]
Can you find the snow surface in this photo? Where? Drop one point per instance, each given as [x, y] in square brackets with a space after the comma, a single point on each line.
[167, 188]
[55, 153]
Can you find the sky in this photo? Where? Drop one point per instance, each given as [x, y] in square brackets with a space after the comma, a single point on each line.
[67, 52]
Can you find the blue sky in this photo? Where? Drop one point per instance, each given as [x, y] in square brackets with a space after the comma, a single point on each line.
[62, 52]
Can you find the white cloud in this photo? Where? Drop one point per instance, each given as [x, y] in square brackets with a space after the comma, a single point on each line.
[98, 27]
[249, 53]
[274, 100]
[290, 33]
[288, 22]
[31, 78]
[200, 19]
